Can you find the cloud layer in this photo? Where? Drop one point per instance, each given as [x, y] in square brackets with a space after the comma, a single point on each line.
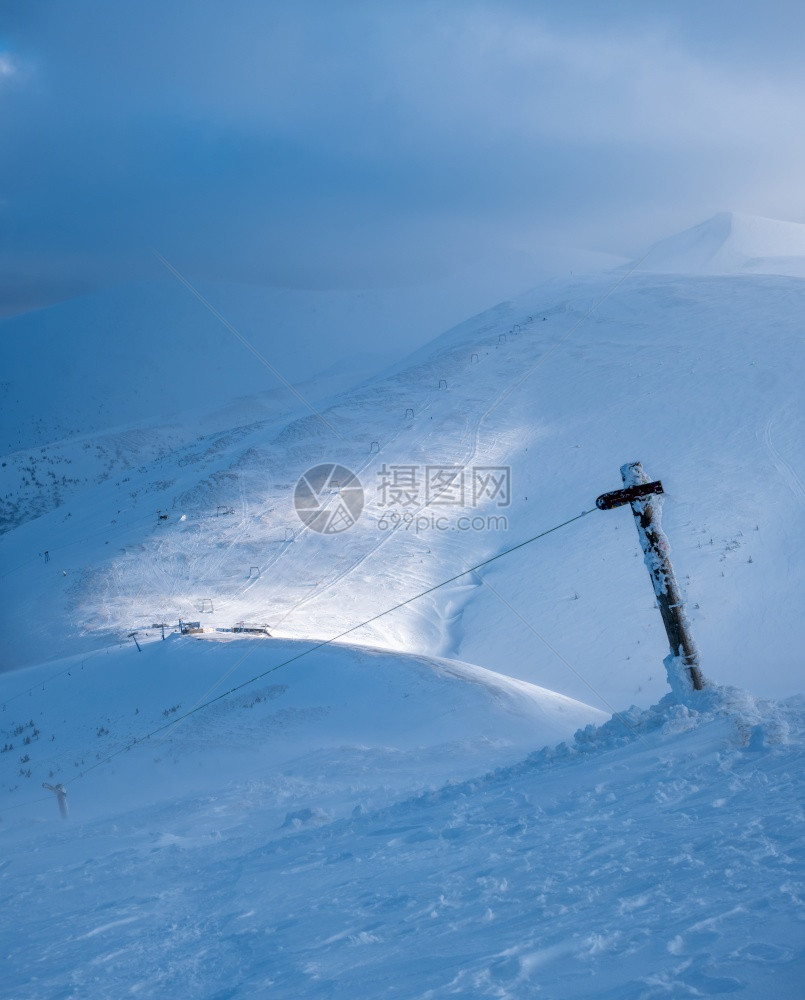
[312, 143]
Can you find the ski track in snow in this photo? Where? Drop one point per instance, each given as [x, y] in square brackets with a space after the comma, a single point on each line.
[335, 574]
[787, 472]
[463, 459]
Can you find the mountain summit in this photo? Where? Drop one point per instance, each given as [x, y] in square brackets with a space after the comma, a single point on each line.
[729, 243]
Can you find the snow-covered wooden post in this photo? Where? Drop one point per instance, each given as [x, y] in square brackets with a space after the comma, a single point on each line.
[61, 795]
[682, 663]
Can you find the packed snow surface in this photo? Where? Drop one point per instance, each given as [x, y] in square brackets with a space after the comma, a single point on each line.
[329, 701]
[657, 855]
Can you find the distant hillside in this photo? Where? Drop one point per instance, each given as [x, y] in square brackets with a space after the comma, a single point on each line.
[108, 382]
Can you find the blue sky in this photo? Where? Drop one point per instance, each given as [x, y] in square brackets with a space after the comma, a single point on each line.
[334, 144]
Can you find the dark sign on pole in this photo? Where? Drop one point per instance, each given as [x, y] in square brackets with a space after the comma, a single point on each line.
[619, 498]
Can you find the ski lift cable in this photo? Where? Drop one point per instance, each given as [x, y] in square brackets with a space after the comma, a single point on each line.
[174, 723]
[326, 642]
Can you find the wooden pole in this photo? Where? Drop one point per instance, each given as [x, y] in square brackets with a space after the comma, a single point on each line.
[669, 598]
[61, 795]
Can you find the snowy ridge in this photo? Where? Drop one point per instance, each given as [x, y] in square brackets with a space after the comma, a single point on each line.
[730, 243]
[87, 711]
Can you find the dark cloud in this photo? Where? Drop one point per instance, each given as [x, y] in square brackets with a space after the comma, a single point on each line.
[352, 143]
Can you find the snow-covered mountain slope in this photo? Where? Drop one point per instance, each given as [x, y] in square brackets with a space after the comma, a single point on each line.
[135, 355]
[655, 856]
[107, 382]
[363, 820]
[38, 480]
[99, 385]
[386, 721]
[699, 377]
[111, 380]
[730, 243]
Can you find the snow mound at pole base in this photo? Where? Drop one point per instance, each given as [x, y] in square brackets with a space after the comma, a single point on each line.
[754, 723]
